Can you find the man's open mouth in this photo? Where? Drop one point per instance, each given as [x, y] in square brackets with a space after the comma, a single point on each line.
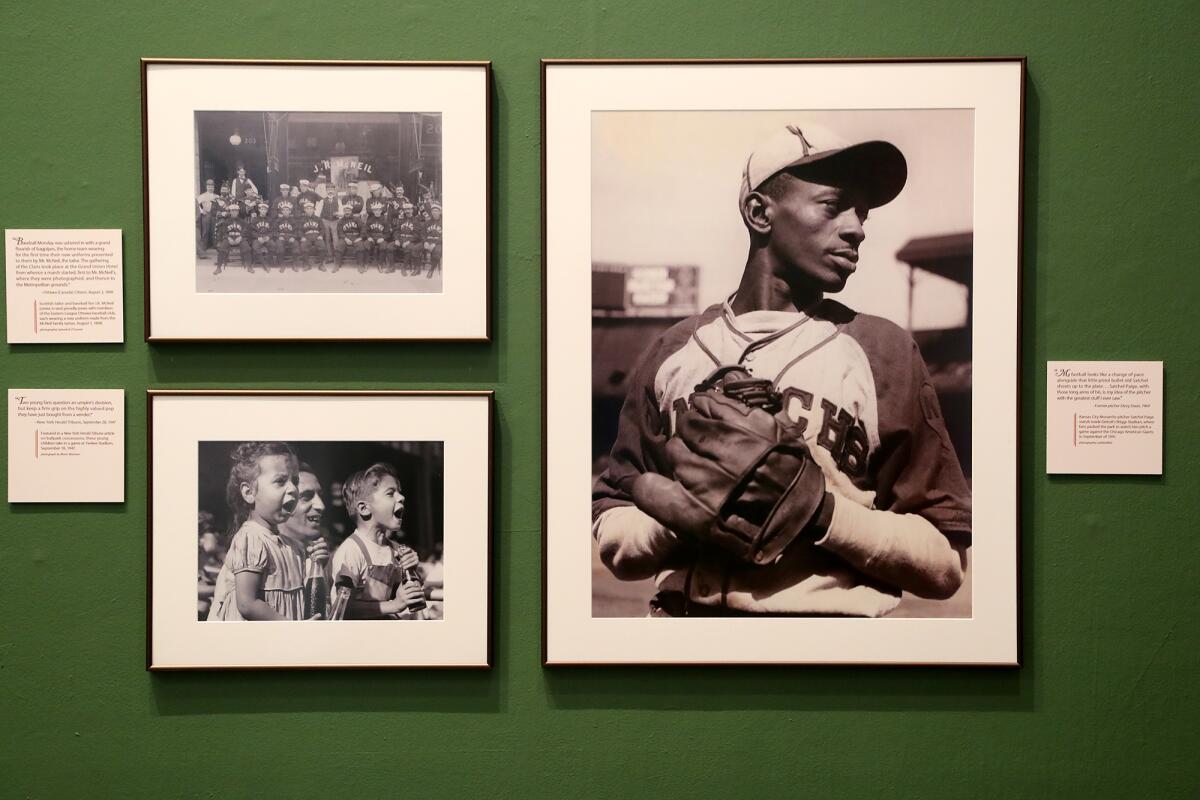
[313, 519]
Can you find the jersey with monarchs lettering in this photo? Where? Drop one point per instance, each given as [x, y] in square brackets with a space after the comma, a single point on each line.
[433, 231]
[407, 230]
[311, 228]
[286, 227]
[306, 198]
[234, 229]
[376, 227]
[261, 227]
[349, 228]
[855, 387]
[281, 203]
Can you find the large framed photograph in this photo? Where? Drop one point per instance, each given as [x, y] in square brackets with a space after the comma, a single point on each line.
[316, 200]
[799, 347]
[363, 517]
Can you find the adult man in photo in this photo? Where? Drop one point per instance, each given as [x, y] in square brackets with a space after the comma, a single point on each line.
[206, 215]
[779, 453]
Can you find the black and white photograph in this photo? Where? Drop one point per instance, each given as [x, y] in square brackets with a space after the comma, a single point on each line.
[791, 317]
[320, 531]
[317, 200]
[294, 201]
[828, 285]
[368, 510]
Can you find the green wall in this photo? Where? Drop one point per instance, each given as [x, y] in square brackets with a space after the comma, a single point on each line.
[1106, 702]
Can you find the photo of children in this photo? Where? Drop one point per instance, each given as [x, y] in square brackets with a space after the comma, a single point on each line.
[319, 531]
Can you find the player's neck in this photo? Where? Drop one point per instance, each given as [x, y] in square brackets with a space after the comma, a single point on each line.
[765, 288]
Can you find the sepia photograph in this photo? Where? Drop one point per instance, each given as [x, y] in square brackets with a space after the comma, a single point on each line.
[320, 531]
[371, 510]
[293, 201]
[801, 275]
[309, 200]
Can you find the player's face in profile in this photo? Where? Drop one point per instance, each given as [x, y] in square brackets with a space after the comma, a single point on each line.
[310, 507]
[816, 230]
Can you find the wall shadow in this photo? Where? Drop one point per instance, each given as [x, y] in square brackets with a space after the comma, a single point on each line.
[259, 692]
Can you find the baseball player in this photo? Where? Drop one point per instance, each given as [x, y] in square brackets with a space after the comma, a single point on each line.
[261, 230]
[312, 242]
[307, 194]
[407, 237]
[349, 237]
[377, 230]
[432, 236]
[779, 453]
[232, 235]
[286, 237]
[284, 199]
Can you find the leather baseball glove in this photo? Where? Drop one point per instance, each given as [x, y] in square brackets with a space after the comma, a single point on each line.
[743, 480]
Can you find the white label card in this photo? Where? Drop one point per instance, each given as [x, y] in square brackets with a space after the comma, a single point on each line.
[63, 285]
[1104, 417]
[66, 445]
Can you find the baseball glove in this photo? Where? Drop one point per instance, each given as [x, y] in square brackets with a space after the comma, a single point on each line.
[743, 480]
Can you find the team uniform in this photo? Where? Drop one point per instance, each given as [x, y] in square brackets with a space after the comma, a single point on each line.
[283, 202]
[312, 241]
[356, 204]
[232, 235]
[407, 236]
[377, 230]
[261, 230]
[349, 238]
[855, 387]
[286, 235]
[432, 240]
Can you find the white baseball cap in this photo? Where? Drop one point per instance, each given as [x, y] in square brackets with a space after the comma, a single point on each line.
[878, 166]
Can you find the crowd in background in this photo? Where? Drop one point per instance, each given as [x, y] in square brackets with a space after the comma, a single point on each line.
[286, 528]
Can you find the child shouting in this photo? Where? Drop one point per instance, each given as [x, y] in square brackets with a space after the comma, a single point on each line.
[376, 563]
[263, 574]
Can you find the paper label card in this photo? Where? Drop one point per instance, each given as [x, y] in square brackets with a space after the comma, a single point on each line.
[66, 445]
[1104, 417]
[63, 285]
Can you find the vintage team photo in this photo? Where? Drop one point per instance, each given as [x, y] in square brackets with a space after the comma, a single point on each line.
[782, 363]
[320, 531]
[787, 293]
[317, 200]
[369, 510]
[295, 201]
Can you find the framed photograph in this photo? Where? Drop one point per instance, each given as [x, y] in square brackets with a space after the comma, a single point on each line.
[316, 200]
[799, 346]
[365, 518]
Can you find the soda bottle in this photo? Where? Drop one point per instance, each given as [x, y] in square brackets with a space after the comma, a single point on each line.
[316, 590]
[343, 587]
[412, 576]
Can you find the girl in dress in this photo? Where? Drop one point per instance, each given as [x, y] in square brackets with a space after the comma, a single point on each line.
[263, 574]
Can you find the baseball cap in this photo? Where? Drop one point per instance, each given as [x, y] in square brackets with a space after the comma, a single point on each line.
[877, 166]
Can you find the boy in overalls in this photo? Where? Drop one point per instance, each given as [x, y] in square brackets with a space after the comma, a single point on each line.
[376, 563]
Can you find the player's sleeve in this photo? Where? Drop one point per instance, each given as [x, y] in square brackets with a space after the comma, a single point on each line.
[917, 469]
[640, 443]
